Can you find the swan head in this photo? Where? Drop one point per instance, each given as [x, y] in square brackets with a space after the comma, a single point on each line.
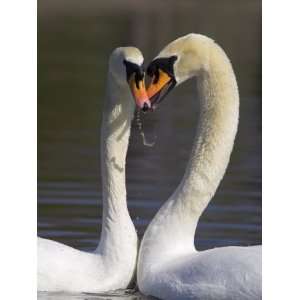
[180, 60]
[126, 68]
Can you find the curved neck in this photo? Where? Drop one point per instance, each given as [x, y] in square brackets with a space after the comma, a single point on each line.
[116, 122]
[214, 140]
[174, 226]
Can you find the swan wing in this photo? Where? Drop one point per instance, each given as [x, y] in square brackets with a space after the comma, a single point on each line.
[227, 273]
[63, 268]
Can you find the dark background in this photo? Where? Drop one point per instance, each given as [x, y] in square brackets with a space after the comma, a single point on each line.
[75, 39]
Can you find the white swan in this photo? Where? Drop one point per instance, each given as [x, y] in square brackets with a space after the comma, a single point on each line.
[169, 267]
[112, 265]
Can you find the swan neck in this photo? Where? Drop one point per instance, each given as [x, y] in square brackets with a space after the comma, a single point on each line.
[117, 115]
[216, 130]
[173, 229]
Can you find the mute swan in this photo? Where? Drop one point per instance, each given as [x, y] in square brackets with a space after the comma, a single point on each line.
[112, 265]
[169, 267]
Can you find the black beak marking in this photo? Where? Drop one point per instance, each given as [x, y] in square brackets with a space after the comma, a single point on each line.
[132, 68]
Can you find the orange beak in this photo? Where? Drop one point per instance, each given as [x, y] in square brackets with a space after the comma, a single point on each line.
[139, 93]
[156, 87]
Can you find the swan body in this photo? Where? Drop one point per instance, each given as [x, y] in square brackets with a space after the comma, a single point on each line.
[169, 266]
[112, 265]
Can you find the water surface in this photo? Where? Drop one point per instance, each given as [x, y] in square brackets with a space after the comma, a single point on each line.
[116, 295]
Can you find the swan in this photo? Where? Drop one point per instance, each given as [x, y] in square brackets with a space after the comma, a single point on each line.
[169, 266]
[112, 265]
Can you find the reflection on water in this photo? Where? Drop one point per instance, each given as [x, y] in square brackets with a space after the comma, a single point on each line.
[74, 43]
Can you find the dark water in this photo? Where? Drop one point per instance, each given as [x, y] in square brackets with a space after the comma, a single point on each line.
[74, 42]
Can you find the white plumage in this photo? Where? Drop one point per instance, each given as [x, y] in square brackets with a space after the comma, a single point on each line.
[169, 267]
[112, 265]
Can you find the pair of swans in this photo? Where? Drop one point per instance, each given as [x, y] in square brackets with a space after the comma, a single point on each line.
[168, 265]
